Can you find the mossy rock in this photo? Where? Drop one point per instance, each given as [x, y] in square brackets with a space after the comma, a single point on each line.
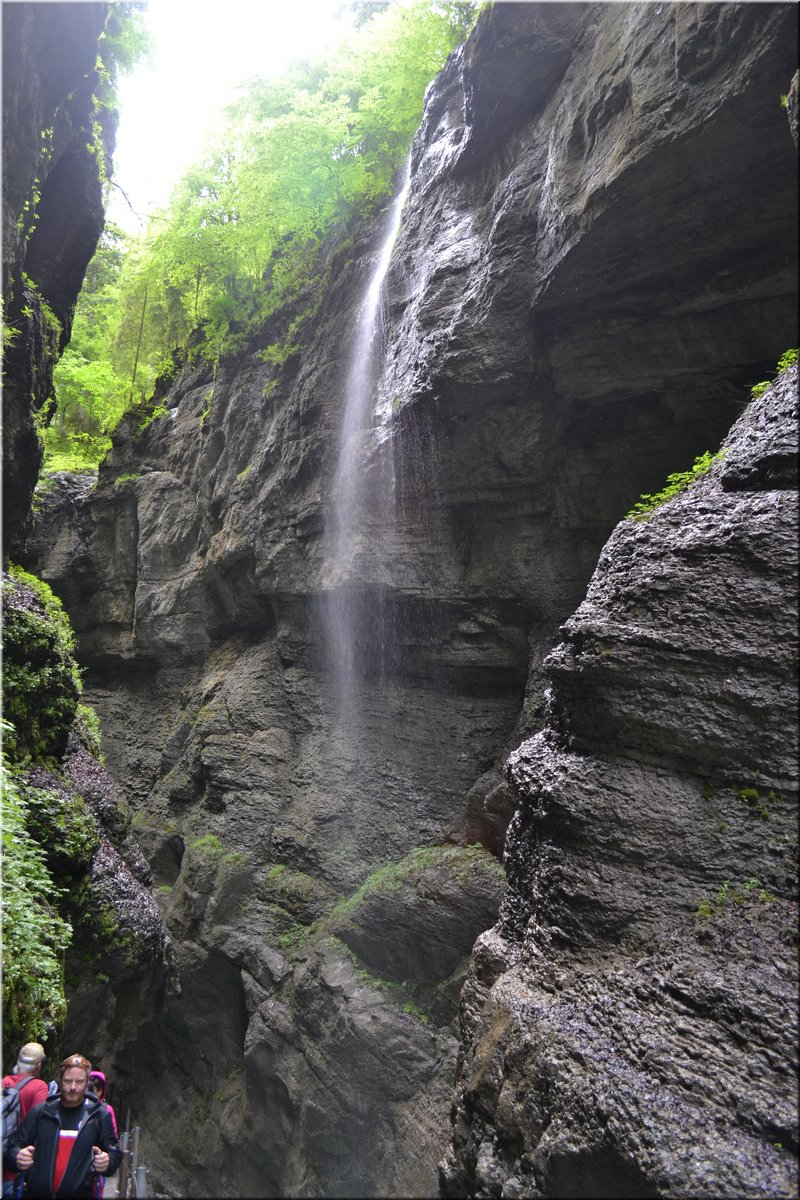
[415, 921]
[62, 824]
[41, 681]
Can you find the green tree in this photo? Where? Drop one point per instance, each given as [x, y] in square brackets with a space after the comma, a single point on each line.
[90, 393]
[299, 157]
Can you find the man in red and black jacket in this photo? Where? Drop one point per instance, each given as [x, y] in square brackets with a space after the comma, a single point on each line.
[64, 1142]
[32, 1091]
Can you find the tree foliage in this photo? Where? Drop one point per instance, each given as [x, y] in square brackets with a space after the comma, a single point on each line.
[299, 157]
[91, 393]
[88, 388]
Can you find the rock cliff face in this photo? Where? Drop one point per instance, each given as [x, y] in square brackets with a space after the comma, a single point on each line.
[630, 1024]
[54, 134]
[579, 299]
[52, 215]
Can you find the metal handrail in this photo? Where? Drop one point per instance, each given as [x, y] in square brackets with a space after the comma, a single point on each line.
[132, 1176]
[124, 1173]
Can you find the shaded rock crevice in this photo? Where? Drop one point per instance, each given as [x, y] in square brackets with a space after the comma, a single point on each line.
[56, 139]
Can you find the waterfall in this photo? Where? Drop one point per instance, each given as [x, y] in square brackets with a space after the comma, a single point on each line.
[358, 639]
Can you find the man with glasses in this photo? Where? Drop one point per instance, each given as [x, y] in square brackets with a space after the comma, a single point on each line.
[66, 1141]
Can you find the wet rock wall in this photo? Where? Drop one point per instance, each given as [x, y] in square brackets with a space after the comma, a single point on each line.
[52, 217]
[578, 302]
[630, 1024]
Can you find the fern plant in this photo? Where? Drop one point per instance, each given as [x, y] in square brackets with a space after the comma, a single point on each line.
[34, 935]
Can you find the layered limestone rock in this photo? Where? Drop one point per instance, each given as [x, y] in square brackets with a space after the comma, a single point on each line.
[56, 138]
[630, 1026]
[578, 300]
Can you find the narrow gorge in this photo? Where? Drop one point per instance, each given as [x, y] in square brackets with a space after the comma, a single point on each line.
[460, 847]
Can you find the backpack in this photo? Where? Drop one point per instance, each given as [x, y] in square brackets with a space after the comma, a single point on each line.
[11, 1109]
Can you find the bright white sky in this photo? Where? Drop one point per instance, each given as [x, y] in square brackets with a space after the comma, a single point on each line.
[201, 50]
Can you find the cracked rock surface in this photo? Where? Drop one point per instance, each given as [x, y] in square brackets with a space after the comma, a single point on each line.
[634, 1031]
[597, 260]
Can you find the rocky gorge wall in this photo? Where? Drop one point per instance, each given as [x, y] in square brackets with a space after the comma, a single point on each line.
[56, 137]
[578, 301]
[630, 1024]
[55, 131]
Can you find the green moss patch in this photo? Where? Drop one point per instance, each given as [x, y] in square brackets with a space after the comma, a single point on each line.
[460, 862]
[41, 681]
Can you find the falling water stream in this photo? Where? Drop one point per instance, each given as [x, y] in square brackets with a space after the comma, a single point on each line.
[356, 632]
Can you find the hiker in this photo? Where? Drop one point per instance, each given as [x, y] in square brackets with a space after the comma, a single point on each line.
[67, 1140]
[25, 1079]
[97, 1082]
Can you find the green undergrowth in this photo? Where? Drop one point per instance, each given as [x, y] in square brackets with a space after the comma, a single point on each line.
[459, 862]
[64, 827]
[676, 483]
[87, 729]
[41, 680]
[208, 844]
[679, 481]
[786, 360]
[35, 936]
[758, 804]
[99, 936]
[50, 833]
[210, 847]
[731, 894]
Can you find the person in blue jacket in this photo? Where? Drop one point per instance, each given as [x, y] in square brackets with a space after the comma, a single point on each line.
[66, 1141]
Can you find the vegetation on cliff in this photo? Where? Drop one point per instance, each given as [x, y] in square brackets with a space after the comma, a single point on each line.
[41, 682]
[34, 935]
[58, 813]
[41, 686]
[679, 481]
[300, 157]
